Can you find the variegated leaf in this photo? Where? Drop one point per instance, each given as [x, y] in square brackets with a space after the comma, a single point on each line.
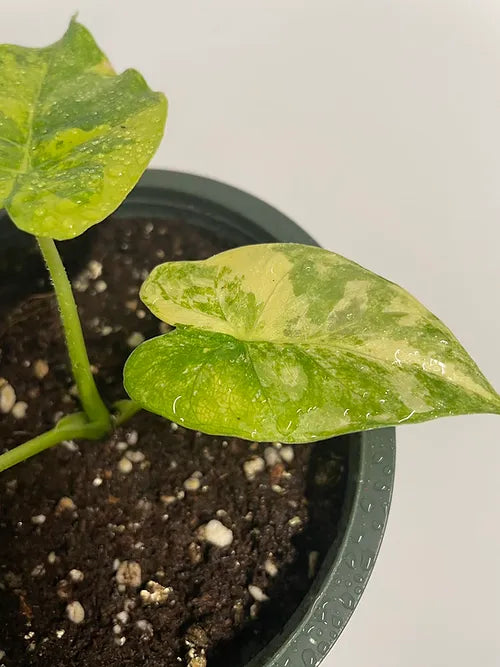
[295, 343]
[74, 136]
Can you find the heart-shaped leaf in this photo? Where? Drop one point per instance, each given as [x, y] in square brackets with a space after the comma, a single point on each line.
[74, 136]
[295, 343]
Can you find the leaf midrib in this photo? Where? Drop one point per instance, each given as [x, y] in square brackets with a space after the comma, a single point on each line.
[333, 346]
[26, 163]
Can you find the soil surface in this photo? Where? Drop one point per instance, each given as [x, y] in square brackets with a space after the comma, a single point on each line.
[104, 555]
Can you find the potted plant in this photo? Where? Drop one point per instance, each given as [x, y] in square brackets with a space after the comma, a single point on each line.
[201, 535]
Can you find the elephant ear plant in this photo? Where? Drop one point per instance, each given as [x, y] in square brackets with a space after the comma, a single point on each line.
[271, 342]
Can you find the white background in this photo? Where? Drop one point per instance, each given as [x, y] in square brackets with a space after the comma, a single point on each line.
[376, 126]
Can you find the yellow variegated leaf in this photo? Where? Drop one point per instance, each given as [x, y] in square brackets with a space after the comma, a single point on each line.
[295, 343]
[74, 136]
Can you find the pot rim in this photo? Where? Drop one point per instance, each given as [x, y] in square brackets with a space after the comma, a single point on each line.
[316, 624]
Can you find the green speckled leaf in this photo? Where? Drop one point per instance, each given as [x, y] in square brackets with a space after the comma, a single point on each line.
[74, 136]
[295, 343]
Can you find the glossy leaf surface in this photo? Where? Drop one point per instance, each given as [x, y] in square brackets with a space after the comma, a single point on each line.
[295, 343]
[74, 136]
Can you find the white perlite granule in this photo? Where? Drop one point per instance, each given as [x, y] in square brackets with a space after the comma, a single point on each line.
[271, 456]
[216, 533]
[40, 369]
[253, 467]
[125, 465]
[94, 268]
[295, 521]
[270, 568]
[70, 445]
[75, 612]
[19, 410]
[287, 454]
[192, 483]
[100, 286]
[129, 573]
[122, 617]
[135, 339]
[7, 396]
[257, 593]
[155, 593]
[38, 519]
[132, 437]
[134, 455]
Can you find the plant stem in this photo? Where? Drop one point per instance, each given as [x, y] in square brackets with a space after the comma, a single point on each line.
[96, 421]
[90, 431]
[70, 427]
[89, 396]
[124, 410]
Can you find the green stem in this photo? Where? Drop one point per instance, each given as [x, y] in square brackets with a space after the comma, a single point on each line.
[124, 410]
[30, 448]
[88, 431]
[71, 427]
[89, 396]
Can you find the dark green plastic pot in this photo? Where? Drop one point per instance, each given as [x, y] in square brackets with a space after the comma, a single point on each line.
[315, 626]
[242, 219]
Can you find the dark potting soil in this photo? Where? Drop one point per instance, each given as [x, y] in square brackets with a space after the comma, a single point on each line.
[85, 526]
